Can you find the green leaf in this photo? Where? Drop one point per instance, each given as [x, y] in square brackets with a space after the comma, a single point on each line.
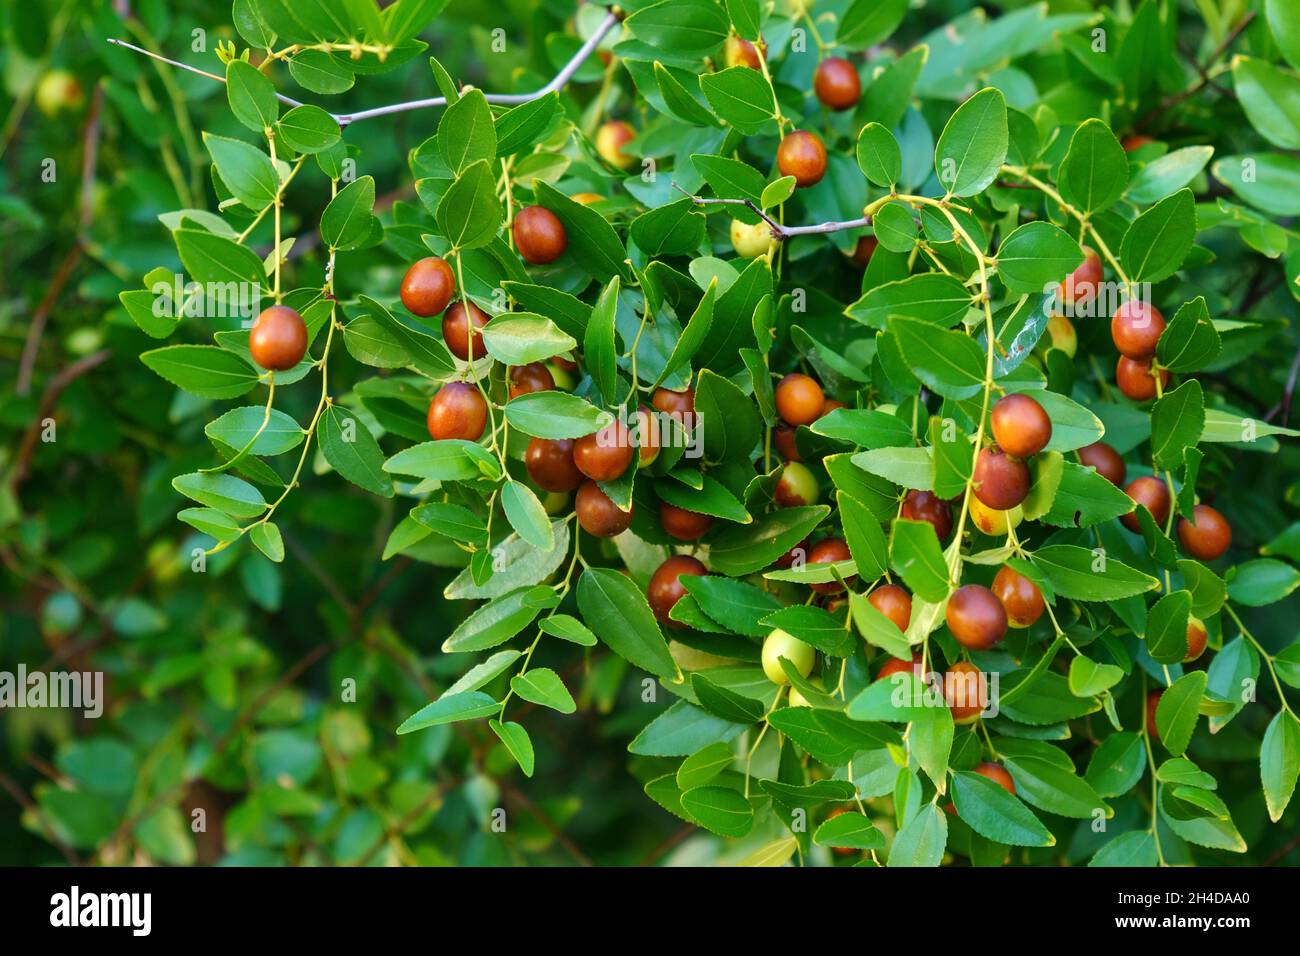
[744, 549]
[996, 814]
[527, 515]
[553, 414]
[869, 22]
[711, 498]
[1279, 762]
[592, 240]
[680, 27]
[320, 72]
[852, 830]
[1177, 420]
[466, 133]
[447, 460]
[568, 628]
[496, 621]
[517, 741]
[1094, 172]
[1262, 582]
[251, 95]
[469, 212]
[879, 157]
[950, 363]
[616, 610]
[730, 423]
[1170, 172]
[1118, 764]
[914, 552]
[1085, 575]
[1037, 256]
[247, 172]
[351, 449]
[704, 765]
[1190, 342]
[267, 539]
[719, 810]
[226, 493]
[309, 129]
[812, 625]
[450, 709]
[864, 537]
[203, 370]
[742, 97]
[345, 224]
[931, 297]
[1270, 96]
[973, 145]
[1089, 678]
[1167, 628]
[922, 839]
[930, 741]
[599, 346]
[1157, 242]
[1136, 848]
[1178, 710]
[543, 686]
[519, 338]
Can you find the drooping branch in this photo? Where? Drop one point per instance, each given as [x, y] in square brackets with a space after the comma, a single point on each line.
[505, 99]
[779, 232]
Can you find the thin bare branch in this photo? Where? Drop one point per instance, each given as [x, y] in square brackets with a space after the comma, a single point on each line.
[779, 231]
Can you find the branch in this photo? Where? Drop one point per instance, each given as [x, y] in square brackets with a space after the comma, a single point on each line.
[779, 232]
[506, 99]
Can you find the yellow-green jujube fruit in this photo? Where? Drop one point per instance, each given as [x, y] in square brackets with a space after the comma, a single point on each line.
[781, 644]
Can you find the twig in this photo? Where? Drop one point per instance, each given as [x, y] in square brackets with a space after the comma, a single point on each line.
[23, 800]
[22, 461]
[779, 232]
[36, 331]
[1288, 393]
[1200, 84]
[505, 99]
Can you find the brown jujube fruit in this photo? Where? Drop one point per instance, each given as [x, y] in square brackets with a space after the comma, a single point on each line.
[740, 52]
[802, 155]
[1153, 701]
[997, 773]
[1135, 329]
[457, 411]
[1106, 460]
[550, 464]
[606, 454]
[597, 514]
[1081, 284]
[674, 403]
[1001, 482]
[964, 689]
[428, 286]
[1197, 638]
[1207, 536]
[666, 589]
[539, 235]
[829, 551]
[783, 439]
[682, 524]
[1136, 380]
[976, 617]
[1149, 491]
[895, 666]
[278, 338]
[457, 333]
[862, 251]
[533, 377]
[1020, 425]
[1020, 597]
[799, 399]
[837, 84]
[893, 602]
[927, 506]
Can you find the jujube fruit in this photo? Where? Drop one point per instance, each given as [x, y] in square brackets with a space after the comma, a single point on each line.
[837, 84]
[670, 402]
[1207, 535]
[1153, 701]
[927, 506]
[647, 436]
[428, 286]
[458, 335]
[1135, 141]
[799, 399]
[1106, 460]
[539, 235]
[605, 454]
[597, 514]
[666, 589]
[458, 410]
[610, 140]
[740, 52]
[1135, 328]
[1062, 335]
[829, 551]
[1081, 284]
[751, 241]
[1020, 425]
[586, 199]
[57, 91]
[533, 377]
[780, 644]
[993, 522]
[895, 666]
[800, 550]
[965, 690]
[802, 155]
[893, 602]
[997, 773]
[976, 617]
[550, 464]
[863, 249]
[1019, 596]
[1151, 492]
[1137, 381]
[682, 524]
[797, 486]
[1001, 481]
[278, 338]
[783, 438]
[1197, 638]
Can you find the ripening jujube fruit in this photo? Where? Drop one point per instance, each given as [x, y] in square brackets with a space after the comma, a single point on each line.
[741, 52]
[458, 410]
[837, 850]
[800, 550]
[1135, 328]
[1197, 638]
[829, 551]
[586, 199]
[666, 589]
[830, 405]
[550, 464]
[1207, 536]
[837, 84]
[863, 249]
[997, 773]
[895, 666]
[610, 140]
[1153, 701]
[893, 602]
[599, 516]
[647, 436]
[278, 338]
[533, 377]
[1061, 335]
[802, 155]
[458, 335]
[797, 486]
[927, 506]
[992, 521]
[751, 241]
[976, 617]
[1001, 482]
[799, 399]
[674, 403]
[1134, 141]
[965, 690]
[428, 286]
[1151, 492]
[1081, 284]
[1019, 596]
[780, 644]
[1137, 381]
[783, 439]
[605, 454]
[682, 524]
[539, 235]
[1020, 425]
[1108, 462]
